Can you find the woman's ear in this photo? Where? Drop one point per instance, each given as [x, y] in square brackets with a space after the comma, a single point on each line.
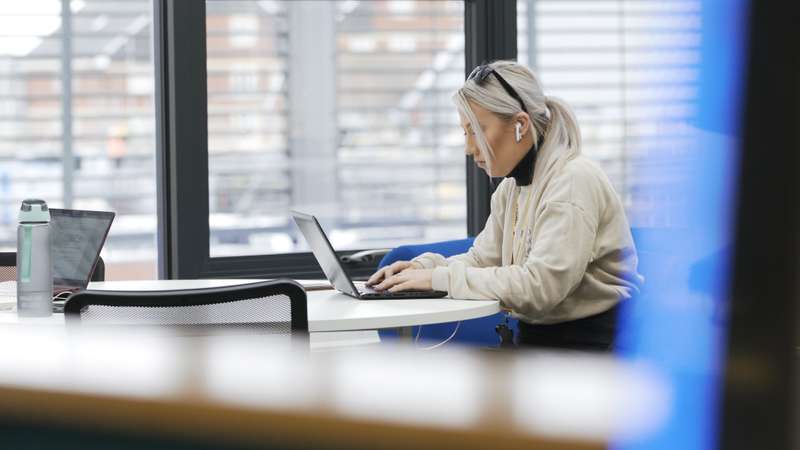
[525, 122]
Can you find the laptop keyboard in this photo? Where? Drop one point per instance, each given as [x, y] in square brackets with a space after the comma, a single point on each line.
[368, 292]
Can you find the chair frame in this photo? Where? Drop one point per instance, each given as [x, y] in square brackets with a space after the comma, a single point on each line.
[194, 297]
[8, 259]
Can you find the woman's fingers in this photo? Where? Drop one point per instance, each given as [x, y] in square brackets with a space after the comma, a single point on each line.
[377, 276]
[399, 266]
[382, 274]
[388, 282]
[388, 272]
[401, 286]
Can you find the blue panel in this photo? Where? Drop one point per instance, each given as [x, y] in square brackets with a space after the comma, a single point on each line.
[678, 325]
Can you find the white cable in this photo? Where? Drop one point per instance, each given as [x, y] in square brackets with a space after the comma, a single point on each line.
[419, 331]
[444, 341]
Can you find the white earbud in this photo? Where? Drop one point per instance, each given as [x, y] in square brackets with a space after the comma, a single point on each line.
[518, 131]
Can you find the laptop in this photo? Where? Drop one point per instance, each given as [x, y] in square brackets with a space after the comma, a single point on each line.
[76, 238]
[327, 259]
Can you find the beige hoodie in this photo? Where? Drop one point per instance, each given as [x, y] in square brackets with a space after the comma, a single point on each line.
[576, 254]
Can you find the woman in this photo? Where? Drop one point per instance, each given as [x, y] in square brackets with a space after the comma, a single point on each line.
[557, 248]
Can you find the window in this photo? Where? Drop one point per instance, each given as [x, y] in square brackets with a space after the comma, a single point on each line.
[77, 119]
[630, 71]
[341, 109]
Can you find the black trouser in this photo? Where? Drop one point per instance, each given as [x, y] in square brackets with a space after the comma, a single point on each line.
[593, 333]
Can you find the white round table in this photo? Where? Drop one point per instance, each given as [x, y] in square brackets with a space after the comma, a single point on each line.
[329, 310]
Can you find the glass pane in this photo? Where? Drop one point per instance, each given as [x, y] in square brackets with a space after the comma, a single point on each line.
[341, 109]
[108, 127]
[657, 90]
[630, 71]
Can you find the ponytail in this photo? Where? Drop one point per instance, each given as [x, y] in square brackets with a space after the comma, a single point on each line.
[562, 128]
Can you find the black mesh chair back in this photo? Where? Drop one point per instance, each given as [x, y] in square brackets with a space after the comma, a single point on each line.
[8, 267]
[266, 307]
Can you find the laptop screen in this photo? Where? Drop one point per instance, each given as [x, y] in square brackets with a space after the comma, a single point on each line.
[323, 252]
[76, 239]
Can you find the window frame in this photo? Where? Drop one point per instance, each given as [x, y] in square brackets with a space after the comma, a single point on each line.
[490, 29]
[182, 143]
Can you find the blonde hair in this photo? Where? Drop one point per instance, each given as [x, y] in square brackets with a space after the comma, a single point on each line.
[549, 116]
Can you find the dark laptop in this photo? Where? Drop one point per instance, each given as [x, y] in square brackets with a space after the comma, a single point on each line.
[76, 239]
[327, 259]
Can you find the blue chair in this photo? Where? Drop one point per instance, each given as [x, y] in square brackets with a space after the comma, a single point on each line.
[478, 332]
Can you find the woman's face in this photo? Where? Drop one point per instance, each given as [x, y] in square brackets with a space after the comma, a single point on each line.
[500, 135]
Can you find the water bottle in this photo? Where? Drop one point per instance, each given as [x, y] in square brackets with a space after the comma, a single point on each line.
[34, 262]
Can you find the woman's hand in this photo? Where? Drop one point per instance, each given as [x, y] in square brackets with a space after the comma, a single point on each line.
[391, 270]
[408, 279]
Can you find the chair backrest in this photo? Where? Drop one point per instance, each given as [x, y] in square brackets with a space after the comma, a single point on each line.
[266, 307]
[99, 273]
[8, 267]
[444, 248]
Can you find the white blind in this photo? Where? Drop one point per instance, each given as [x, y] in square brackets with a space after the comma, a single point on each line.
[247, 107]
[390, 167]
[401, 154]
[108, 126]
[629, 69]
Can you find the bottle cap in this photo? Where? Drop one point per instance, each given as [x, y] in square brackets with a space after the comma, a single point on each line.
[34, 211]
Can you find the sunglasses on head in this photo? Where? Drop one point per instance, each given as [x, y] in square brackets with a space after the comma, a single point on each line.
[480, 73]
